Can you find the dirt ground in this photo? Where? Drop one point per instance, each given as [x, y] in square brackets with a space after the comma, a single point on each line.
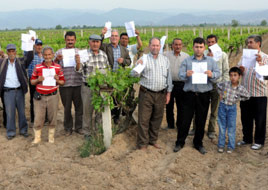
[122, 167]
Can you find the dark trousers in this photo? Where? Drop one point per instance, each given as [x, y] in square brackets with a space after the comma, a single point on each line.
[176, 95]
[69, 96]
[193, 104]
[4, 110]
[151, 110]
[254, 109]
[32, 90]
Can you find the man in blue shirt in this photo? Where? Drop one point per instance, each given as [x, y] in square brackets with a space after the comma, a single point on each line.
[196, 94]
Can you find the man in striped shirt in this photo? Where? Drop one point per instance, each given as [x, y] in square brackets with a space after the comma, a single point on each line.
[46, 97]
[71, 91]
[155, 90]
[255, 107]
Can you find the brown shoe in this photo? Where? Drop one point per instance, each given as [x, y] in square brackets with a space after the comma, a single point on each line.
[156, 146]
[79, 131]
[144, 148]
[67, 133]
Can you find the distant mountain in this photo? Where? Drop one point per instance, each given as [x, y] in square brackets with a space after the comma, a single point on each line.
[43, 18]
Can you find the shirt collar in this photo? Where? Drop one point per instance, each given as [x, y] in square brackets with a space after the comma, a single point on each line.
[43, 63]
[204, 58]
[9, 61]
[175, 55]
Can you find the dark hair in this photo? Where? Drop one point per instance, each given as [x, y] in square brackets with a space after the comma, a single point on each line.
[123, 34]
[212, 36]
[235, 70]
[70, 33]
[176, 39]
[257, 38]
[199, 40]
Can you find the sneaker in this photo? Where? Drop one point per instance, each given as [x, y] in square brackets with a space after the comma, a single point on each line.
[220, 150]
[241, 143]
[256, 146]
[229, 151]
[191, 132]
[211, 135]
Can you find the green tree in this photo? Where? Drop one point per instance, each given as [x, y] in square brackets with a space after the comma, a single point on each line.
[58, 27]
[234, 23]
[263, 23]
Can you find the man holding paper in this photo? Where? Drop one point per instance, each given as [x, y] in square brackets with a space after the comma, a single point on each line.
[47, 77]
[96, 59]
[199, 72]
[221, 58]
[118, 56]
[176, 57]
[70, 92]
[255, 108]
[154, 94]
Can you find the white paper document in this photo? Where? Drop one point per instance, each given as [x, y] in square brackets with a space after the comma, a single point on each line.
[140, 67]
[68, 57]
[83, 56]
[32, 34]
[249, 58]
[108, 25]
[261, 70]
[216, 51]
[49, 75]
[199, 76]
[26, 42]
[162, 42]
[130, 28]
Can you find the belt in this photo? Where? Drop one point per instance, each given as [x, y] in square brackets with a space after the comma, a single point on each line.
[197, 93]
[86, 84]
[142, 88]
[9, 89]
[177, 82]
[51, 94]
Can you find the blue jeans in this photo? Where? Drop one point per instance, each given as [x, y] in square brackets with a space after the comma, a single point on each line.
[15, 99]
[227, 120]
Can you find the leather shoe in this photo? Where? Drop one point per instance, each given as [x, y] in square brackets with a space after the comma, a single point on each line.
[177, 148]
[202, 150]
[10, 137]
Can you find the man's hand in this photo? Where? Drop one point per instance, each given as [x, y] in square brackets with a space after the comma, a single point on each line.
[189, 73]
[168, 97]
[77, 59]
[103, 31]
[242, 68]
[259, 59]
[137, 32]
[209, 73]
[139, 62]
[120, 60]
[210, 54]
[40, 79]
[56, 77]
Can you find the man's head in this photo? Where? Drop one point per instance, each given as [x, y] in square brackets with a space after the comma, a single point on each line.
[234, 74]
[11, 51]
[199, 46]
[154, 45]
[177, 45]
[38, 46]
[48, 54]
[70, 39]
[254, 42]
[94, 42]
[211, 40]
[124, 39]
[114, 37]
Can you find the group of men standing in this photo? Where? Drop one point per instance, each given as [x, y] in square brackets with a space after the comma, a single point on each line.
[165, 78]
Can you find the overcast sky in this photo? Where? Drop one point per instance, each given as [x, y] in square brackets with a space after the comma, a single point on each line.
[135, 4]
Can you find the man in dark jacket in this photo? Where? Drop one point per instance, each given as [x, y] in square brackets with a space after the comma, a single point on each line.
[13, 85]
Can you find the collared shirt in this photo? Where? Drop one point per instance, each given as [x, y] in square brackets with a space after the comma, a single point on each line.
[12, 80]
[223, 65]
[255, 86]
[230, 95]
[36, 60]
[187, 65]
[117, 54]
[99, 61]
[132, 49]
[72, 78]
[156, 75]
[175, 63]
[38, 71]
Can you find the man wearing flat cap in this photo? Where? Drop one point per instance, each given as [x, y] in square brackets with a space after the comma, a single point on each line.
[13, 84]
[32, 59]
[97, 60]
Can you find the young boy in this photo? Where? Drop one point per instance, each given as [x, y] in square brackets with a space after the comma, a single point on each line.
[230, 93]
